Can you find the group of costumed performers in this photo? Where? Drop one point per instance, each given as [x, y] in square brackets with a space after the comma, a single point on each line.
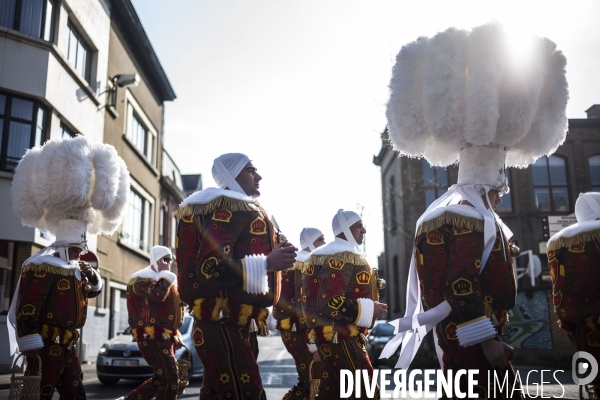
[340, 301]
[229, 254]
[69, 188]
[155, 314]
[290, 318]
[574, 262]
[461, 97]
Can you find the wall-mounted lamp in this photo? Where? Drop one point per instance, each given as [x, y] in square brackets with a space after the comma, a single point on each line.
[121, 80]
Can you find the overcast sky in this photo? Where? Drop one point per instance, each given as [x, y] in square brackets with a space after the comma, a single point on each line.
[300, 86]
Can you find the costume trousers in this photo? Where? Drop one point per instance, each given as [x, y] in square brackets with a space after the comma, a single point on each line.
[228, 353]
[163, 385]
[348, 354]
[60, 370]
[586, 337]
[456, 357]
[296, 346]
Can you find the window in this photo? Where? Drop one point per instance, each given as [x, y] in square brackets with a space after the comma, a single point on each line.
[435, 182]
[32, 17]
[22, 126]
[594, 163]
[392, 206]
[78, 52]
[65, 132]
[139, 131]
[506, 206]
[137, 230]
[550, 185]
[6, 264]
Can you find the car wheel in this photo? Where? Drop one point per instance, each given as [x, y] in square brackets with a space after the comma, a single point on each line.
[108, 381]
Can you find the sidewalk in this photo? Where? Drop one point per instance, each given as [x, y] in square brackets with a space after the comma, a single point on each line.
[89, 374]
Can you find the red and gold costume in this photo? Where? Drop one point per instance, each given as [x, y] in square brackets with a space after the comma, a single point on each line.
[338, 291]
[292, 325]
[51, 306]
[155, 314]
[222, 236]
[574, 262]
[448, 252]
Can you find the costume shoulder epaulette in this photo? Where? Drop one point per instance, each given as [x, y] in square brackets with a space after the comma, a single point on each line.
[134, 280]
[345, 256]
[220, 203]
[459, 215]
[44, 268]
[579, 233]
[300, 265]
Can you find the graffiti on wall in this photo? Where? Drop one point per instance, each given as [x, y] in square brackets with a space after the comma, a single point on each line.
[529, 326]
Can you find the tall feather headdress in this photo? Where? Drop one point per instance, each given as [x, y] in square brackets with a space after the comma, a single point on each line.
[460, 91]
[71, 179]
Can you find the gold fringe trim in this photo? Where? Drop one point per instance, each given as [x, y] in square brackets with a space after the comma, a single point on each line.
[452, 219]
[134, 280]
[565, 242]
[220, 203]
[346, 257]
[300, 266]
[329, 331]
[53, 269]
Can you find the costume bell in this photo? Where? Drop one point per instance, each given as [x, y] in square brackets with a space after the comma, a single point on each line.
[574, 262]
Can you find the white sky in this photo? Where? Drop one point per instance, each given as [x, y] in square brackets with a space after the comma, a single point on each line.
[300, 86]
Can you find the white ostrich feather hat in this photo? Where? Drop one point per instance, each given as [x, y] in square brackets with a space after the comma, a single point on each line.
[69, 187]
[463, 97]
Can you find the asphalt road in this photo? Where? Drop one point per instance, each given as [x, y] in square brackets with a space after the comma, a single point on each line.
[278, 375]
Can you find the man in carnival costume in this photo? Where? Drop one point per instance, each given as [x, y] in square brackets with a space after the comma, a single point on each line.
[155, 314]
[228, 257]
[66, 187]
[463, 97]
[574, 261]
[341, 302]
[290, 318]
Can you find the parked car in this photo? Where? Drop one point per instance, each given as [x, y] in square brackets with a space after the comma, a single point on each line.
[379, 336]
[120, 358]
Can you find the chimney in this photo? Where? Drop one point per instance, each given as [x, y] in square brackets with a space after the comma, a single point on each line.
[593, 111]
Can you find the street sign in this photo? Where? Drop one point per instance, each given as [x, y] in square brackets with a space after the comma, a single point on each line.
[560, 222]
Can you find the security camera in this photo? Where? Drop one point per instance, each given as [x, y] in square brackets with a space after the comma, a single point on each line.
[127, 80]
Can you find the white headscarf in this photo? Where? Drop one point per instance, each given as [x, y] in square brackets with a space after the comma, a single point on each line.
[226, 168]
[308, 237]
[157, 253]
[587, 206]
[342, 222]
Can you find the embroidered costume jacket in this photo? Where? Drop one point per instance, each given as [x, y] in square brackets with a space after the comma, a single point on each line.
[333, 282]
[52, 301]
[216, 235]
[574, 262]
[448, 251]
[153, 303]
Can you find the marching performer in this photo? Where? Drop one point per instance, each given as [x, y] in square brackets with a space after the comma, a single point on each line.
[290, 318]
[228, 258]
[155, 314]
[68, 187]
[574, 262]
[461, 97]
[341, 302]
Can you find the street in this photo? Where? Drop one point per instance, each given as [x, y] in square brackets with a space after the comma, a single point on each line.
[278, 375]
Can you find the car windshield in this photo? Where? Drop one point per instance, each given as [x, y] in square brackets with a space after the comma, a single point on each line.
[385, 329]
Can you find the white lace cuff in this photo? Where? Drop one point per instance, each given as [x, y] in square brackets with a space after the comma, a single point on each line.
[312, 348]
[256, 280]
[366, 307]
[97, 287]
[30, 342]
[168, 275]
[475, 331]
